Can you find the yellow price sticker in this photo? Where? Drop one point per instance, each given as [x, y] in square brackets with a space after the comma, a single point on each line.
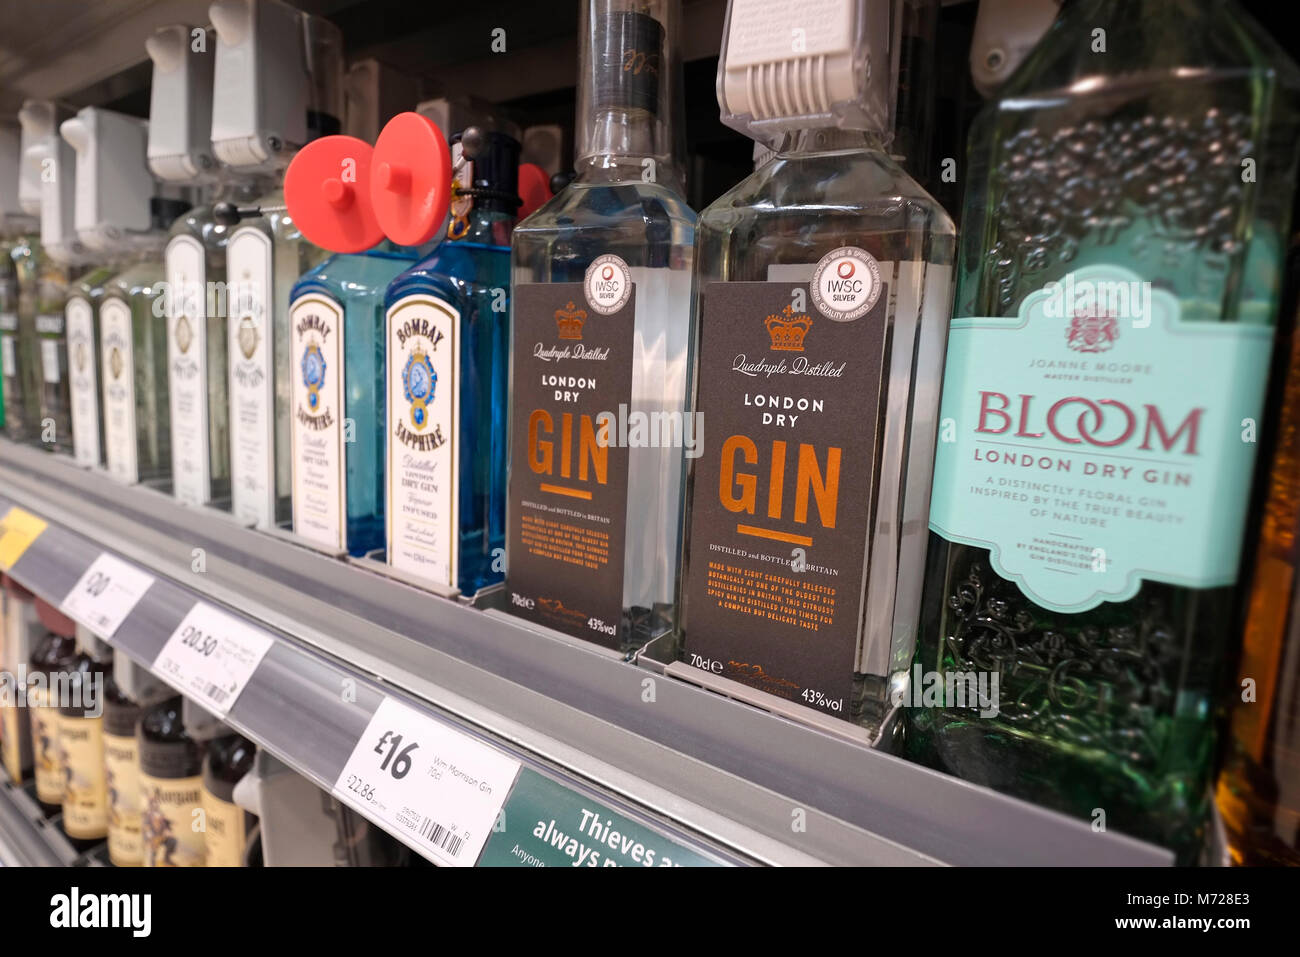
[18, 529]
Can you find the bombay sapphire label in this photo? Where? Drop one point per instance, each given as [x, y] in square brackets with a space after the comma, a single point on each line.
[319, 479]
[567, 509]
[187, 369]
[1096, 440]
[423, 512]
[117, 370]
[252, 384]
[83, 381]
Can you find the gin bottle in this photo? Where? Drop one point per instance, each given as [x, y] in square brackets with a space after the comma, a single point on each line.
[133, 372]
[1117, 293]
[196, 346]
[51, 294]
[601, 298]
[81, 320]
[19, 347]
[447, 329]
[822, 294]
[258, 46]
[10, 385]
[336, 345]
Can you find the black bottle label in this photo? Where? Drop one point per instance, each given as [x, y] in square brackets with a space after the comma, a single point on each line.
[572, 371]
[781, 499]
[628, 54]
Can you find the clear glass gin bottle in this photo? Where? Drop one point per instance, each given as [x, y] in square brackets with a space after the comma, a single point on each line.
[81, 318]
[197, 304]
[601, 296]
[133, 372]
[1118, 285]
[822, 295]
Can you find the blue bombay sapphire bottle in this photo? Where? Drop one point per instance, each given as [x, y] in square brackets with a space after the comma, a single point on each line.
[447, 335]
[336, 348]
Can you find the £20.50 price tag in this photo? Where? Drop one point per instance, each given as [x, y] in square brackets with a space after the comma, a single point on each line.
[437, 788]
[105, 594]
[211, 655]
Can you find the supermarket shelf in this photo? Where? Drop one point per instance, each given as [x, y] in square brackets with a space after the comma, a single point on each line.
[27, 839]
[714, 774]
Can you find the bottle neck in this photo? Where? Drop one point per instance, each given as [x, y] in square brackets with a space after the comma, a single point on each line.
[833, 140]
[487, 227]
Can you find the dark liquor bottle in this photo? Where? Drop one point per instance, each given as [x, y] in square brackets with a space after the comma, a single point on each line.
[1127, 203]
[1259, 786]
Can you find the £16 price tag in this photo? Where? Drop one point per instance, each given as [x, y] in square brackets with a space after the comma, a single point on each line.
[436, 788]
[211, 655]
[103, 596]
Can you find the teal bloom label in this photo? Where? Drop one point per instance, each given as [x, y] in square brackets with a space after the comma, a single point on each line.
[1096, 439]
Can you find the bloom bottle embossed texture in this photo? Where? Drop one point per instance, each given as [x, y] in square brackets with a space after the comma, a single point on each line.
[1118, 283]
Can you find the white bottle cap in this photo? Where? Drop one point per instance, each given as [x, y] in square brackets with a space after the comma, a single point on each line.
[789, 65]
[39, 119]
[49, 161]
[13, 218]
[180, 104]
[113, 183]
[56, 164]
[260, 119]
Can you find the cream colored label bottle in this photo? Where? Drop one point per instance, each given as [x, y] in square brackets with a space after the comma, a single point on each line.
[125, 807]
[171, 827]
[226, 837]
[85, 797]
[47, 751]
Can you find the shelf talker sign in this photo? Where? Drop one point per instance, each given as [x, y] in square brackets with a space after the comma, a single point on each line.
[18, 529]
[545, 824]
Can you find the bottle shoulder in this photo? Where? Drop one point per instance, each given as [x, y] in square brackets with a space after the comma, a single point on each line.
[831, 187]
[451, 270]
[347, 276]
[603, 206]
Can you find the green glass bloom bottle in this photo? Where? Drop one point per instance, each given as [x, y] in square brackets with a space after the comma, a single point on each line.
[1118, 282]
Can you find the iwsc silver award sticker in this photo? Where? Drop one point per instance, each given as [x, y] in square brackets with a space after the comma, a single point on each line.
[846, 284]
[608, 284]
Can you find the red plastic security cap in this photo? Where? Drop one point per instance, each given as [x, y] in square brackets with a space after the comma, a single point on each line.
[534, 188]
[327, 190]
[411, 179]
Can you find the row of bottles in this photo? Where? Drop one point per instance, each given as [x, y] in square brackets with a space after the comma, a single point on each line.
[106, 748]
[1044, 500]
[134, 775]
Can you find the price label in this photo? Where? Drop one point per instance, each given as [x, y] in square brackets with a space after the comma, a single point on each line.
[438, 789]
[18, 529]
[105, 594]
[211, 655]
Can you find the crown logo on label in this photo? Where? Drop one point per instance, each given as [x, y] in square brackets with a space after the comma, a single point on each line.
[787, 333]
[569, 321]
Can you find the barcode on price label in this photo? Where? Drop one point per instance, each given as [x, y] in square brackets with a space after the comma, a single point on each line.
[438, 835]
[435, 787]
[105, 594]
[211, 655]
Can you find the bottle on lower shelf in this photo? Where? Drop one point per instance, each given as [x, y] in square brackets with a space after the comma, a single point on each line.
[171, 789]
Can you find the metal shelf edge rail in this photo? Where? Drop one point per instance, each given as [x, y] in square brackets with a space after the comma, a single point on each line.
[771, 789]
